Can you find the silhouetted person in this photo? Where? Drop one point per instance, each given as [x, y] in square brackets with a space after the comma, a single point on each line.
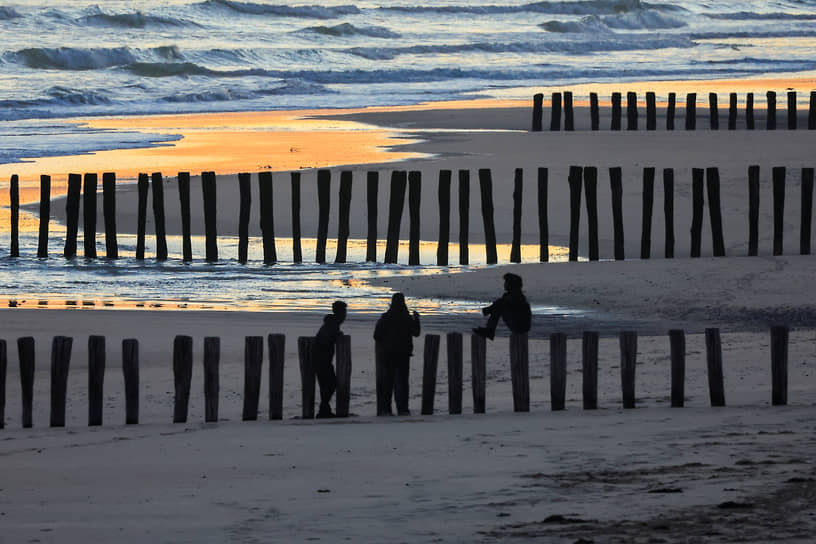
[512, 307]
[324, 352]
[394, 344]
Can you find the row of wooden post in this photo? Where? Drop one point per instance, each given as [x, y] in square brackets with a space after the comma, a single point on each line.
[651, 111]
[253, 364]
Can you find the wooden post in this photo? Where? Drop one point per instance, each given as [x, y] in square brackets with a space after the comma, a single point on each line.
[414, 200]
[297, 252]
[253, 363]
[691, 111]
[558, 370]
[520, 372]
[158, 214]
[89, 215]
[575, 179]
[713, 112]
[753, 210]
[616, 111]
[589, 365]
[770, 123]
[45, 215]
[307, 375]
[677, 342]
[212, 379]
[266, 197]
[807, 211]
[538, 111]
[182, 376]
[714, 210]
[591, 191]
[109, 207]
[323, 208]
[651, 111]
[648, 205]
[130, 370]
[430, 358]
[60, 363]
[25, 349]
[478, 365]
[464, 215]
[210, 213]
[96, 379]
[812, 111]
[396, 204]
[343, 216]
[628, 349]
[72, 215]
[555, 111]
[668, 210]
[518, 191]
[715, 371]
[454, 342]
[486, 186]
[184, 200]
[670, 110]
[631, 111]
[569, 116]
[732, 111]
[141, 229]
[616, 183]
[372, 188]
[779, 365]
[594, 111]
[244, 190]
[697, 180]
[779, 209]
[14, 203]
[749, 111]
[543, 227]
[343, 359]
[3, 369]
[444, 198]
[277, 352]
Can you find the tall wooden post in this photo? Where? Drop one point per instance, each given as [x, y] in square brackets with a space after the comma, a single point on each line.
[414, 200]
[372, 188]
[677, 341]
[713, 112]
[594, 111]
[323, 207]
[343, 359]
[697, 181]
[806, 211]
[158, 215]
[25, 349]
[444, 198]
[668, 210]
[575, 181]
[543, 226]
[714, 210]
[631, 111]
[779, 365]
[244, 190]
[266, 197]
[430, 358]
[770, 122]
[210, 219]
[569, 115]
[89, 215]
[45, 215]
[307, 376]
[96, 379]
[3, 374]
[184, 199]
[538, 111]
[616, 111]
[72, 215]
[648, 205]
[277, 352]
[715, 370]
[212, 378]
[779, 209]
[518, 193]
[454, 345]
[130, 371]
[651, 111]
[812, 111]
[478, 365]
[60, 363]
[182, 376]
[591, 191]
[464, 215]
[143, 186]
[520, 372]
[14, 203]
[670, 111]
[555, 112]
[396, 204]
[486, 187]
[616, 184]
[753, 210]
[628, 349]
[297, 250]
[691, 111]
[109, 208]
[343, 216]
[749, 111]
[253, 363]
[732, 111]
[589, 366]
[558, 370]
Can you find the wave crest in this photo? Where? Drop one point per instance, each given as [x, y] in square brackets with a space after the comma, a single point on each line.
[136, 19]
[252, 8]
[70, 58]
[348, 29]
[7, 13]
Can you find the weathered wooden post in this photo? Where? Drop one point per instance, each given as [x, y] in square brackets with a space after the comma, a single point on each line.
[749, 111]
[396, 204]
[648, 205]
[732, 111]
[538, 111]
[266, 196]
[558, 370]
[518, 186]
[343, 359]
[812, 111]
[555, 112]
[89, 215]
[651, 111]
[464, 215]
[253, 363]
[182, 376]
[184, 200]
[569, 115]
[670, 110]
[323, 207]
[343, 216]
[677, 342]
[277, 352]
[212, 378]
[631, 111]
[210, 215]
[807, 211]
[297, 250]
[591, 191]
[430, 358]
[753, 210]
[130, 371]
[779, 209]
[60, 363]
[158, 215]
[589, 366]
[520, 372]
[691, 111]
[14, 203]
[454, 343]
[3, 368]
[716, 387]
[713, 112]
[668, 210]
[543, 224]
[486, 187]
[779, 365]
[372, 188]
[72, 215]
[575, 181]
[45, 215]
[714, 210]
[109, 210]
[25, 349]
[444, 198]
[307, 375]
[478, 365]
[697, 181]
[244, 180]
[616, 111]
[770, 122]
[414, 200]
[143, 186]
[616, 184]
[628, 349]
[96, 379]
[594, 111]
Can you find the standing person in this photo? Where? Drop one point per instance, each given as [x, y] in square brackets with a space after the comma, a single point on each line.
[324, 352]
[394, 347]
[512, 307]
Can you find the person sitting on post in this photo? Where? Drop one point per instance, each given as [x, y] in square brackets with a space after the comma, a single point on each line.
[512, 307]
[324, 353]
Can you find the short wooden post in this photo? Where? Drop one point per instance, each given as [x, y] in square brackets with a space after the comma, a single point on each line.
[558, 370]
[589, 366]
[543, 223]
[670, 111]
[14, 203]
[714, 210]
[372, 188]
[779, 365]
[60, 363]
[182, 376]
[520, 372]
[749, 111]
[444, 198]
[430, 358]
[143, 186]
[646, 215]
[277, 352]
[594, 111]
[486, 187]
[575, 182]
[628, 349]
[208, 187]
[616, 184]
[631, 111]
[518, 194]
[770, 122]
[414, 200]
[753, 210]
[184, 200]
[591, 191]
[343, 359]
[96, 379]
[812, 111]
[779, 209]
[555, 112]
[25, 349]
[244, 180]
[307, 375]
[109, 210]
[130, 371]
[3, 369]
[677, 342]
[72, 215]
[297, 250]
[478, 365]
[668, 211]
[697, 181]
[691, 111]
[396, 204]
[569, 115]
[253, 363]
[732, 111]
[616, 111]
[464, 215]
[713, 112]
[716, 387]
[806, 211]
[212, 379]
[323, 208]
[158, 215]
[454, 343]
[651, 111]
[538, 111]
[45, 215]
[89, 215]
[343, 216]
[266, 197]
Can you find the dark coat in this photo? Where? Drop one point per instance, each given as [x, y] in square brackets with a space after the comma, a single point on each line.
[326, 337]
[394, 330]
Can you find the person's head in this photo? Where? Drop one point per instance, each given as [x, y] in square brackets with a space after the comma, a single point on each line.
[511, 282]
[398, 302]
[339, 310]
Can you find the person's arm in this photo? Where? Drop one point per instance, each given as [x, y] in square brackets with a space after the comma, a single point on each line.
[415, 325]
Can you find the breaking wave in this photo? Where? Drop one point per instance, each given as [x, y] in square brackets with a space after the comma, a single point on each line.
[348, 29]
[252, 8]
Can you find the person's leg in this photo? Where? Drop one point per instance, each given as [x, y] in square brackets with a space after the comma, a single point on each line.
[494, 313]
[328, 383]
[385, 381]
[402, 373]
